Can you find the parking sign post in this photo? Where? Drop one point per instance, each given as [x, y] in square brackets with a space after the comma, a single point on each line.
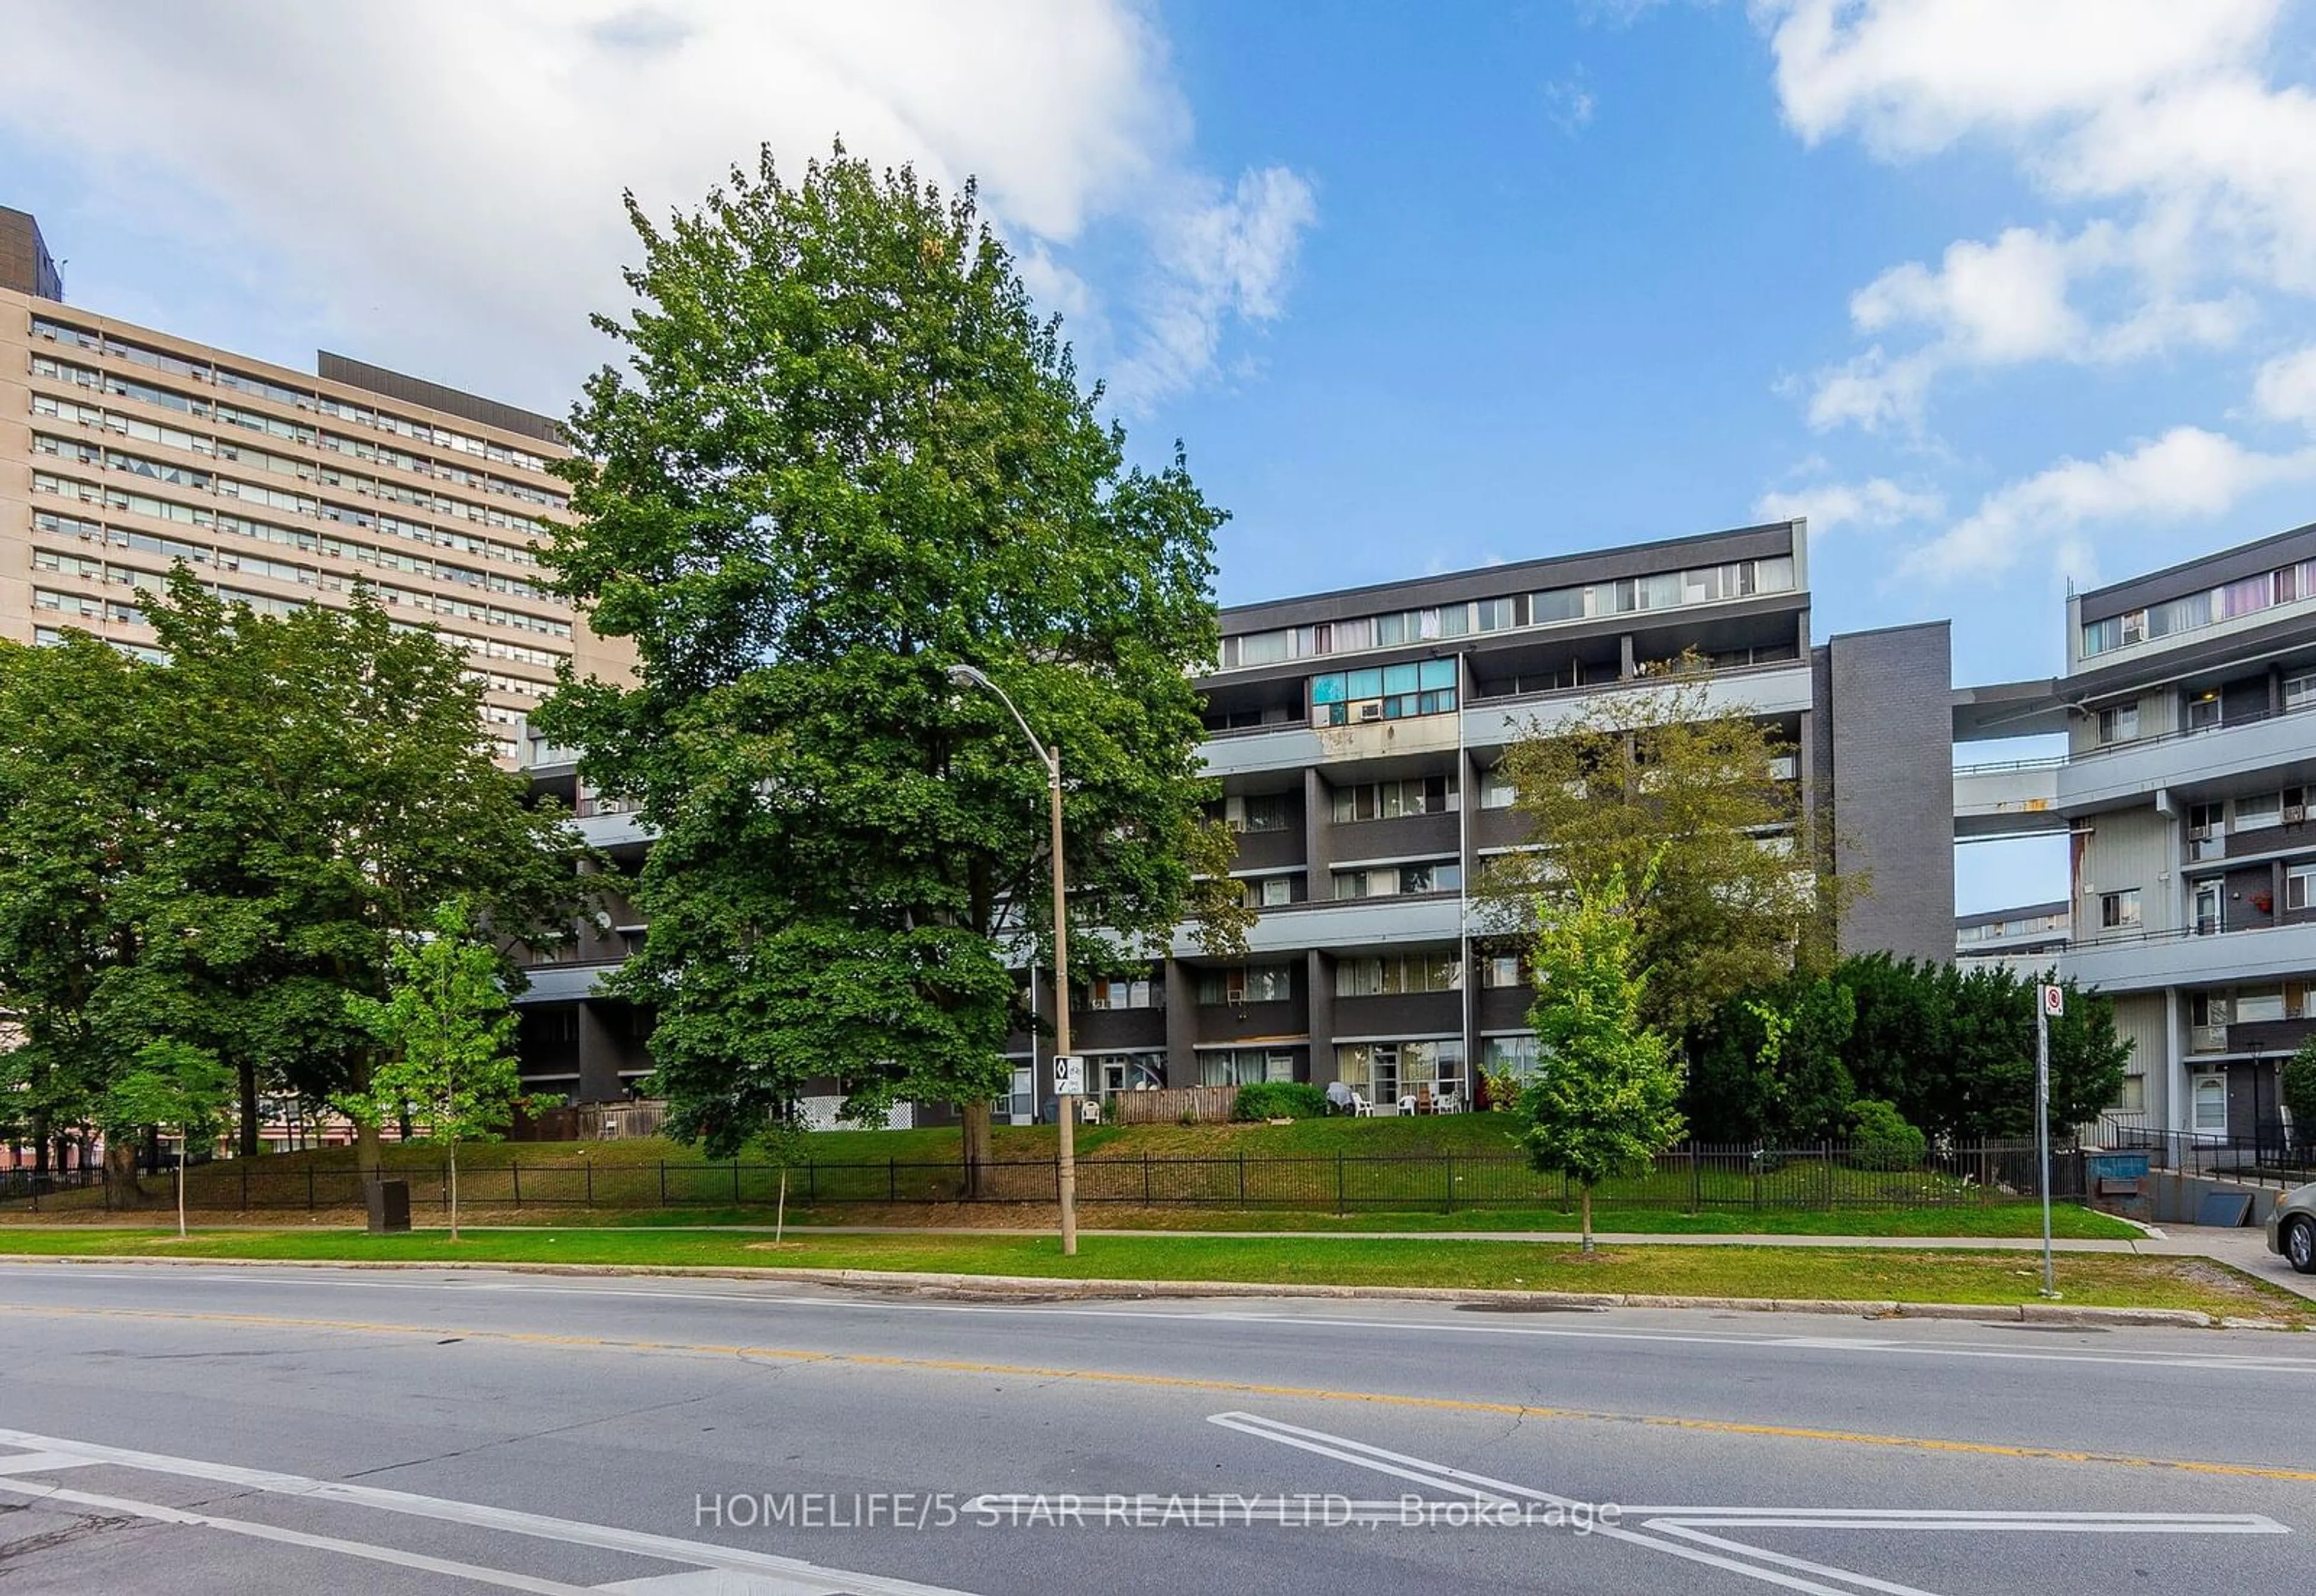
[2050, 1001]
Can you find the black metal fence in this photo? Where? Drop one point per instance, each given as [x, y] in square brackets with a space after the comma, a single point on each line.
[1823, 1179]
[2273, 1156]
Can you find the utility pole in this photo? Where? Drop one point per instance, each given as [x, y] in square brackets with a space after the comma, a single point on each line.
[1067, 1067]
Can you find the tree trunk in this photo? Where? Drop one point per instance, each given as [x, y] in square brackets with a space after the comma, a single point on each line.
[1585, 1202]
[184, 1148]
[120, 1173]
[40, 1129]
[454, 1189]
[367, 1154]
[247, 1071]
[780, 1215]
[976, 1145]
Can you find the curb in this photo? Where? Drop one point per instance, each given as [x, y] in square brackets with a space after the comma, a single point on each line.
[1038, 1287]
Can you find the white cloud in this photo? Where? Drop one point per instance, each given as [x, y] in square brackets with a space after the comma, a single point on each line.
[2154, 116]
[443, 178]
[1876, 502]
[2187, 474]
[1230, 256]
[2004, 303]
[1568, 104]
[2285, 388]
[1912, 76]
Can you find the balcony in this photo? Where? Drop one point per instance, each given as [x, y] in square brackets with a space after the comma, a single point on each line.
[2154, 960]
[1362, 923]
[1779, 689]
[2211, 759]
[562, 984]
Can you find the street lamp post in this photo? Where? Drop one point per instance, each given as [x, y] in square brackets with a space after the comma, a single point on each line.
[1066, 1149]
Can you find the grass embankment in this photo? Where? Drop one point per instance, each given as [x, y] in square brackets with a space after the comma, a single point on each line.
[1454, 1172]
[1824, 1273]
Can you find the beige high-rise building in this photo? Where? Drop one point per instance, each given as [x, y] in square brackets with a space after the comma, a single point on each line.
[124, 449]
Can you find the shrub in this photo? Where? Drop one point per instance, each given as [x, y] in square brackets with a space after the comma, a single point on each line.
[1279, 1100]
[1880, 1139]
[2300, 1093]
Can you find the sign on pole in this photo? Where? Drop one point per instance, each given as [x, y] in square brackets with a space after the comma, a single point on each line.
[2052, 1002]
[1069, 1074]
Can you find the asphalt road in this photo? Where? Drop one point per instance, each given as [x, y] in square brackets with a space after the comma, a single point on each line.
[201, 1429]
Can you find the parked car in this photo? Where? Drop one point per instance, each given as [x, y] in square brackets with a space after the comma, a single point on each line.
[2292, 1229]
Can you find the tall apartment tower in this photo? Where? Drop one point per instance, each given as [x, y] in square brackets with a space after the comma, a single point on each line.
[124, 449]
[2184, 793]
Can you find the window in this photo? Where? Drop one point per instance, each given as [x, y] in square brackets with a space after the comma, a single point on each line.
[1119, 992]
[1396, 974]
[1256, 811]
[1128, 1072]
[1515, 1056]
[2259, 811]
[1269, 892]
[2119, 723]
[1561, 604]
[2207, 819]
[1496, 789]
[2300, 887]
[1251, 983]
[1496, 615]
[1384, 801]
[1244, 1067]
[1501, 970]
[1386, 881]
[2299, 691]
[2132, 1097]
[2119, 910]
[1386, 1072]
[2203, 711]
[2256, 1004]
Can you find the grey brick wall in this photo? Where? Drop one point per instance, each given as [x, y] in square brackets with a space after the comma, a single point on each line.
[1885, 728]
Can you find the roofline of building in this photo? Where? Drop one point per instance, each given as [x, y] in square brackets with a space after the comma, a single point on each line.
[1516, 569]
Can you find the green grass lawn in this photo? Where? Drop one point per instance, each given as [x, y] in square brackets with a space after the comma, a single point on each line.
[1825, 1274]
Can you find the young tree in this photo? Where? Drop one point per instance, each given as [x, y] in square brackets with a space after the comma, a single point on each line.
[1604, 1100]
[449, 1026]
[175, 1089]
[1663, 784]
[842, 456]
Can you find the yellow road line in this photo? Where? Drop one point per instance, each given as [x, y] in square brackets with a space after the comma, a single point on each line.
[1174, 1382]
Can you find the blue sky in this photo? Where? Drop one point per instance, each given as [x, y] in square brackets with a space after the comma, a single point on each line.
[2001, 296]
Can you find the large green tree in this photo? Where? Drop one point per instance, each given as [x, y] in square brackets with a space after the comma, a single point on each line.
[327, 783]
[78, 763]
[840, 455]
[217, 848]
[1662, 782]
[1604, 1100]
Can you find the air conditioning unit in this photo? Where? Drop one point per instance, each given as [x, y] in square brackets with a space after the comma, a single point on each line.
[1370, 712]
[2295, 814]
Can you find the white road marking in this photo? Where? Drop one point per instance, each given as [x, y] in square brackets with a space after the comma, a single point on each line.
[1688, 1525]
[502, 1578]
[2219, 1363]
[803, 1576]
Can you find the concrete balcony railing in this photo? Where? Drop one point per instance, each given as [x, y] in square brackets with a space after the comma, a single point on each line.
[2152, 960]
[2011, 798]
[2210, 759]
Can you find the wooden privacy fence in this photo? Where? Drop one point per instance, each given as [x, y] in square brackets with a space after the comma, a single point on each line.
[1823, 1179]
[1174, 1106]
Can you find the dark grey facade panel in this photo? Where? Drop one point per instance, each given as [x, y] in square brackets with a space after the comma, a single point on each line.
[26, 266]
[1646, 559]
[1887, 735]
[2193, 576]
[417, 390]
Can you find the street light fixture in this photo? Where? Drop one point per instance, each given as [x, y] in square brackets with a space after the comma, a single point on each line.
[1066, 1176]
